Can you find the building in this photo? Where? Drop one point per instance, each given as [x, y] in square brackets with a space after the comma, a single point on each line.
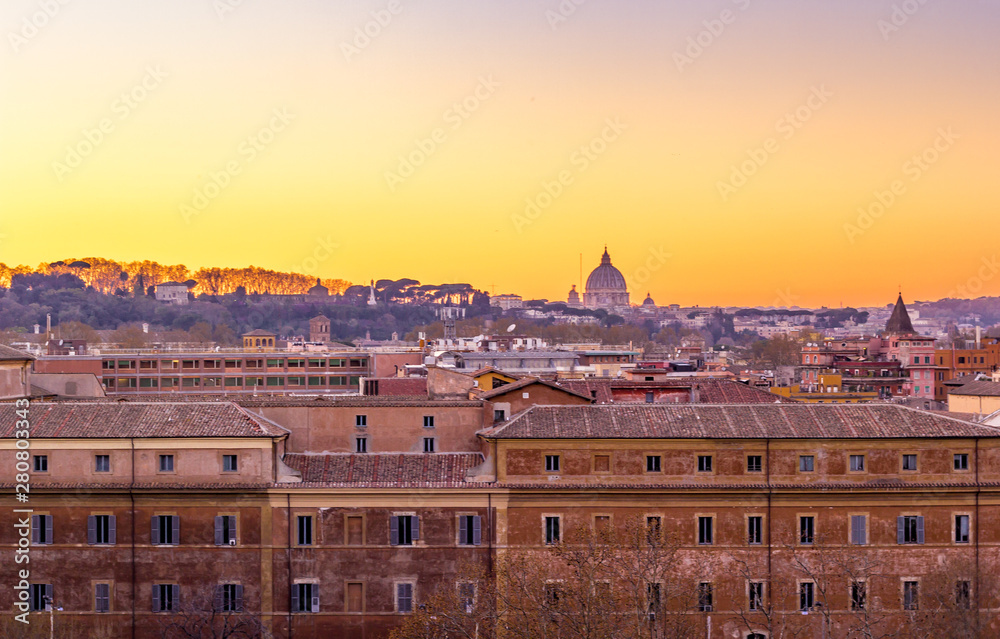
[318, 290]
[979, 357]
[507, 302]
[319, 329]
[606, 287]
[15, 373]
[340, 520]
[573, 299]
[980, 397]
[172, 293]
[259, 339]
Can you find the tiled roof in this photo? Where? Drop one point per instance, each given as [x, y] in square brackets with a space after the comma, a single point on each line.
[710, 391]
[384, 469]
[8, 354]
[749, 421]
[357, 401]
[259, 332]
[134, 419]
[983, 388]
[528, 381]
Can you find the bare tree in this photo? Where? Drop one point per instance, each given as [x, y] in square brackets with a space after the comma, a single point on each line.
[213, 614]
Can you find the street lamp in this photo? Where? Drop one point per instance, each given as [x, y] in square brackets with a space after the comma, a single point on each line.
[49, 605]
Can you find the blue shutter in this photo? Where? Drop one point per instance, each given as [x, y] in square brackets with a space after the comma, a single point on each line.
[920, 530]
[219, 598]
[112, 530]
[48, 593]
[175, 529]
[156, 598]
[232, 530]
[218, 531]
[463, 530]
[48, 528]
[415, 527]
[91, 529]
[314, 603]
[175, 599]
[155, 530]
[900, 534]
[34, 529]
[239, 598]
[295, 597]
[394, 530]
[477, 531]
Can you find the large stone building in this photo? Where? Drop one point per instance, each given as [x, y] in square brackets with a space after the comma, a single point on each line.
[606, 287]
[15, 373]
[340, 518]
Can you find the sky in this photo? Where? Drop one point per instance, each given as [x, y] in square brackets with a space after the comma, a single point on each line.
[727, 152]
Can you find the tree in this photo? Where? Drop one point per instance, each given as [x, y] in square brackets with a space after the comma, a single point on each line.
[77, 330]
[129, 336]
[211, 614]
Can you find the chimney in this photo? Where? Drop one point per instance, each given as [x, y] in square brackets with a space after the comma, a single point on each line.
[979, 337]
[145, 327]
[38, 329]
[48, 326]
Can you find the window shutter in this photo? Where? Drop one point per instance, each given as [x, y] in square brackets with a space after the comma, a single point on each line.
[965, 527]
[477, 530]
[239, 598]
[920, 530]
[91, 529]
[463, 530]
[175, 600]
[232, 529]
[899, 530]
[48, 528]
[315, 598]
[175, 529]
[295, 597]
[218, 531]
[112, 530]
[415, 527]
[155, 530]
[48, 593]
[156, 598]
[394, 530]
[219, 598]
[34, 528]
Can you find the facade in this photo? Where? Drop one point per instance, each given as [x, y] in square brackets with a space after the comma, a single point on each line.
[172, 293]
[606, 287]
[980, 397]
[15, 373]
[956, 363]
[319, 329]
[259, 339]
[507, 302]
[187, 507]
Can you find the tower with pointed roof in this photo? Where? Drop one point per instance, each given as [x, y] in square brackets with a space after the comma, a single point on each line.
[900, 342]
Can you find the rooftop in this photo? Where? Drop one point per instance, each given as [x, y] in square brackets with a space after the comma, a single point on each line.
[982, 388]
[8, 354]
[384, 469]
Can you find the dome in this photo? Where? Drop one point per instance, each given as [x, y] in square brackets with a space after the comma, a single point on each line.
[606, 276]
[319, 289]
[648, 301]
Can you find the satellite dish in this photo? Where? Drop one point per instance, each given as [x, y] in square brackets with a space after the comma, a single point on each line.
[510, 329]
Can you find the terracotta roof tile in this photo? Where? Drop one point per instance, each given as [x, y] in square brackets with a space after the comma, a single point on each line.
[384, 469]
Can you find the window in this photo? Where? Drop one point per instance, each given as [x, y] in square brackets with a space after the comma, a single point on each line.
[962, 461]
[911, 595]
[552, 463]
[602, 463]
[654, 526]
[552, 530]
[470, 530]
[755, 533]
[41, 529]
[40, 595]
[467, 596]
[166, 463]
[807, 463]
[754, 464]
[361, 444]
[229, 598]
[649, 398]
[101, 529]
[166, 530]
[961, 529]
[806, 595]
[428, 444]
[360, 421]
[404, 530]
[305, 598]
[652, 463]
[859, 593]
[704, 463]
[705, 596]
[355, 530]
[857, 463]
[910, 530]
[428, 421]
[166, 597]
[963, 594]
[499, 415]
[102, 597]
[102, 463]
[756, 595]
[355, 596]
[909, 462]
[41, 463]
[859, 532]
[229, 464]
[404, 597]
[225, 530]
[807, 530]
[304, 526]
[653, 597]
[705, 530]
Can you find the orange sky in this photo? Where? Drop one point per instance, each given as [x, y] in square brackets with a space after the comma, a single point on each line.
[720, 168]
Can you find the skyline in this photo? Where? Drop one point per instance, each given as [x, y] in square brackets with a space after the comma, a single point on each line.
[735, 137]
